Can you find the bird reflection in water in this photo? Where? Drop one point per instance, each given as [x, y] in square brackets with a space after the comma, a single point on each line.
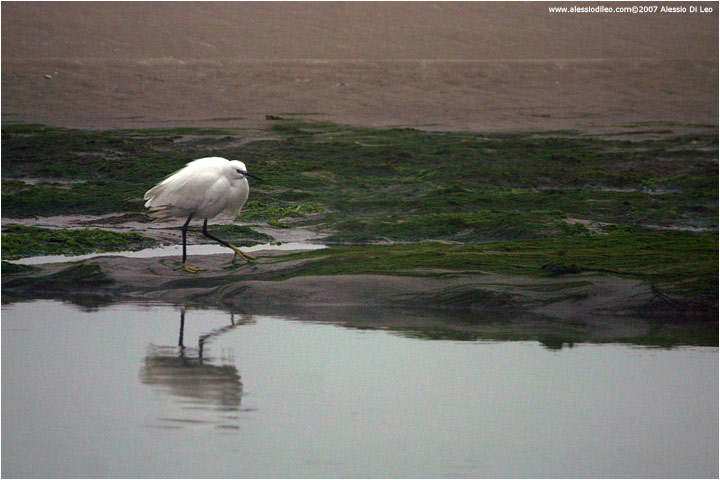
[203, 392]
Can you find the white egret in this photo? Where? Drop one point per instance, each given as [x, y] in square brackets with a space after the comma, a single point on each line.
[204, 189]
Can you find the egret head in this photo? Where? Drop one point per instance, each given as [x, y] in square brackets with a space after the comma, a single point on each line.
[239, 170]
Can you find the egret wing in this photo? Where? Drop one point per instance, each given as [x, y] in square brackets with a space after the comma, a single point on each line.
[186, 190]
[217, 198]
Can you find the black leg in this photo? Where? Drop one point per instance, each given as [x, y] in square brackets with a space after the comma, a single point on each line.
[235, 249]
[184, 264]
[182, 329]
[207, 234]
[184, 236]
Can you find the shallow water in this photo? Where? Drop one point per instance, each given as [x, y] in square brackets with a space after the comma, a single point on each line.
[168, 251]
[109, 393]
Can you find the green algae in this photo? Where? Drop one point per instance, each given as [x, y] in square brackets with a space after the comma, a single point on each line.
[518, 202]
[78, 276]
[536, 179]
[677, 263]
[9, 268]
[240, 235]
[23, 241]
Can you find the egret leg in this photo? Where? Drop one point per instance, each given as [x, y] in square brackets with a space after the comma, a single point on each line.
[238, 252]
[184, 264]
[182, 329]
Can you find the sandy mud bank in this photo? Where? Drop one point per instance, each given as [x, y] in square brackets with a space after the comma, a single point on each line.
[261, 287]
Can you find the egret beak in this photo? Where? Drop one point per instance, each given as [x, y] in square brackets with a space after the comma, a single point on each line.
[246, 174]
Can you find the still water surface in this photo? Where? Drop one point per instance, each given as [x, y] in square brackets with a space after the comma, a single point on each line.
[109, 393]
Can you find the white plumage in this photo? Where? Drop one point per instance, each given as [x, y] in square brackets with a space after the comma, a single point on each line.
[204, 189]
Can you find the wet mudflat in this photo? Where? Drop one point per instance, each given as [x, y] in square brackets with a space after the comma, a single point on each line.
[108, 392]
[638, 203]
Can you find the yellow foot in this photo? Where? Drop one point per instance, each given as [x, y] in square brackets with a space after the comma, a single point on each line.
[188, 268]
[241, 254]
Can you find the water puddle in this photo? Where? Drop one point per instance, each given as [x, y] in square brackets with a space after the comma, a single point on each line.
[149, 390]
[169, 251]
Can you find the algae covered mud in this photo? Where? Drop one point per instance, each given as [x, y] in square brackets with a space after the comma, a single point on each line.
[564, 224]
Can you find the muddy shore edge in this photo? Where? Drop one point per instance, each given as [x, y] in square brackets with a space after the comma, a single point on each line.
[604, 301]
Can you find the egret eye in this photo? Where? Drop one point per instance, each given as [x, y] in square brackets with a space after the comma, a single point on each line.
[239, 172]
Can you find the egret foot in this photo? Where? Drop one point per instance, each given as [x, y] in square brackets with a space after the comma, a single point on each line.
[241, 254]
[188, 268]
